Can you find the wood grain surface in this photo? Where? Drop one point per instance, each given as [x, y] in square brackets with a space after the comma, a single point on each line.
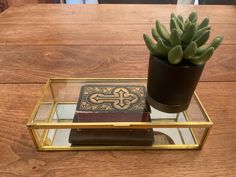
[17, 3]
[119, 61]
[93, 34]
[19, 158]
[107, 14]
[38, 42]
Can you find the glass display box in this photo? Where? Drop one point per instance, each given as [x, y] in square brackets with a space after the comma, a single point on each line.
[51, 121]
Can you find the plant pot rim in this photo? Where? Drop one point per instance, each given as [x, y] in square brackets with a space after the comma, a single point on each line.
[185, 64]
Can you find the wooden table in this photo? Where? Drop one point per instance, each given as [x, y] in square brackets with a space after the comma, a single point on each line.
[38, 42]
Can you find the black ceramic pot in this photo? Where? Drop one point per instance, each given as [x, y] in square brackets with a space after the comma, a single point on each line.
[170, 87]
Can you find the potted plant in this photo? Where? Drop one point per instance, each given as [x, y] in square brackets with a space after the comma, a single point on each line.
[176, 62]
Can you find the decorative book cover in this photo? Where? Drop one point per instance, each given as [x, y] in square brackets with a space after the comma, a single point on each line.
[111, 137]
[112, 103]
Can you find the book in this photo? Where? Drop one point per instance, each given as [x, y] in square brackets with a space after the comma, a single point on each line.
[111, 137]
[112, 103]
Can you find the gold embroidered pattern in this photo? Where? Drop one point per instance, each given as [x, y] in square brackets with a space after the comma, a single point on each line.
[108, 98]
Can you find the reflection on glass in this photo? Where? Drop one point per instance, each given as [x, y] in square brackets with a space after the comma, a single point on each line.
[162, 136]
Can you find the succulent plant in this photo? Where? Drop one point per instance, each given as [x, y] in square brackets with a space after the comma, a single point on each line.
[184, 41]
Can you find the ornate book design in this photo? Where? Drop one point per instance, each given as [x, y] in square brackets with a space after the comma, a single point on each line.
[112, 103]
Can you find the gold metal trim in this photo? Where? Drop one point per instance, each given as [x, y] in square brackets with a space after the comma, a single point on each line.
[121, 125]
[35, 110]
[170, 147]
[52, 92]
[45, 133]
[205, 136]
[202, 108]
[33, 138]
[78, 80]
[191, 130]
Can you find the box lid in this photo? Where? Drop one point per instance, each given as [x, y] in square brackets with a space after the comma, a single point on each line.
[112, 98]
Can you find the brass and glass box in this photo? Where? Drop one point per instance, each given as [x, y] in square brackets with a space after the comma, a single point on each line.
[75, 114]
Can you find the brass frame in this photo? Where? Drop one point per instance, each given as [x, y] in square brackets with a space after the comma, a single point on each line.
[40, 145]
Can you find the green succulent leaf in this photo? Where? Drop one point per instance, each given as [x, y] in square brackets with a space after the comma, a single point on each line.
[150, 44]
[175, 39]
[155, 35]
[172, 15]
[215, 43]
[204, 57]
[181, 18]
[181, 24]
[189, 34]
[193, 17]
[204, 23]
[174, 25]
[175, 55]
[201, 31]
[203, 38]
[186, 22]
[190, 50]
[162, 31]
[162, 48]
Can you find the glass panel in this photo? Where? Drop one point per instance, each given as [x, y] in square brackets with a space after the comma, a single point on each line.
[101, 101]
[124, 101]
[65, 112]
[112, 137]
[38, 133]
[43, 112]
[61, 103]
[70, 91]
[194, 111]
[199, 133]
[157, 115]
[177, 136]
[45, 108]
